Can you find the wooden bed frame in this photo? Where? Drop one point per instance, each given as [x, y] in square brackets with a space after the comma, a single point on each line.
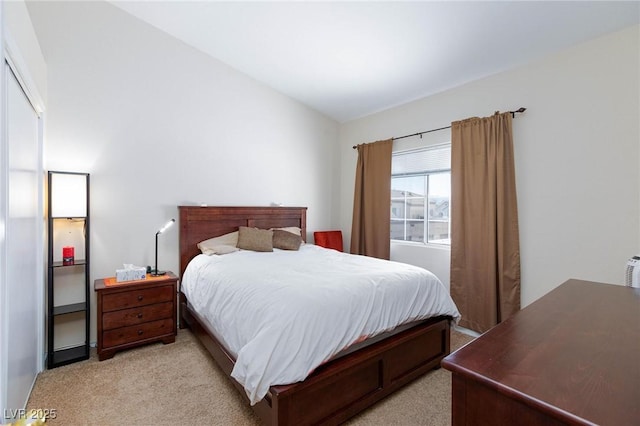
[340, 388]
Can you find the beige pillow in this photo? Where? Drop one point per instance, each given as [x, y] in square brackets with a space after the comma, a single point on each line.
[286, 240]
[255, 239]
[230, 239]
[221, 249]
[291, 229]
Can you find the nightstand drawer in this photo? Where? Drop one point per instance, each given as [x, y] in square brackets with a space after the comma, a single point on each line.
[135, 298]
[133, 316]
[137, 333]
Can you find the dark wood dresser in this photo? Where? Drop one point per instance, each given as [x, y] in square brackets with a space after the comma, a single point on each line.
[134, 313]
[571, 357]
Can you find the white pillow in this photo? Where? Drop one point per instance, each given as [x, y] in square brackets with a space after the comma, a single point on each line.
[230, 239]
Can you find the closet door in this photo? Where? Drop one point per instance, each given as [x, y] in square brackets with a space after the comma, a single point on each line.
[23, 245]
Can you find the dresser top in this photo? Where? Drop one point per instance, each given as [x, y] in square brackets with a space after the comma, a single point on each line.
[574, 353]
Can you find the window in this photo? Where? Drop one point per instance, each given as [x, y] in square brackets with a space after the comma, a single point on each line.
[420, 195]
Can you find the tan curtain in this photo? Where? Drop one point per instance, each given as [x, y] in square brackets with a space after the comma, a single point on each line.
[371, 227]
[485, 247]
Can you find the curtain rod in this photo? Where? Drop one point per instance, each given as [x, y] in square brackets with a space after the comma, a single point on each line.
[513, 114]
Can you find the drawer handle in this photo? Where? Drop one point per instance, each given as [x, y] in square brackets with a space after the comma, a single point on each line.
[140, 332]
[139, 298]
[140, 315]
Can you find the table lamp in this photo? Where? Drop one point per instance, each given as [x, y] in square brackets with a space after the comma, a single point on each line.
[155, 272]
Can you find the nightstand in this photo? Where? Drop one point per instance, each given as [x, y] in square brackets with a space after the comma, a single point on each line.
[134, 313]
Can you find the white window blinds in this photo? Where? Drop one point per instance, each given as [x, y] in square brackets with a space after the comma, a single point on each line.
[424, 160]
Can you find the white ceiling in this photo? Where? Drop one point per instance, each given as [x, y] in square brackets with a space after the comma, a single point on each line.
[351, 59]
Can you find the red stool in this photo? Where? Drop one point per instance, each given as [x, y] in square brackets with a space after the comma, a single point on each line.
[328, 239]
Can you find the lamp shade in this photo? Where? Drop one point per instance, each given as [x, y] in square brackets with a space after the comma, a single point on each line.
[68, 195]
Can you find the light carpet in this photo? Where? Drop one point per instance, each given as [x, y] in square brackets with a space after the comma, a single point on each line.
[180, 383]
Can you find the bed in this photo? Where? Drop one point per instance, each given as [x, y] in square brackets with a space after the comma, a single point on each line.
[339, 388]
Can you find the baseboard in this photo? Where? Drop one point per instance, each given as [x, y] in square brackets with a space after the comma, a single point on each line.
[466, 331]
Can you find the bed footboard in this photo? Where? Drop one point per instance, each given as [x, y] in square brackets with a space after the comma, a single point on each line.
[346, 386]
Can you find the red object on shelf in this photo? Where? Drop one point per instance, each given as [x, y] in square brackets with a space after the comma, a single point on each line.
[67, 255]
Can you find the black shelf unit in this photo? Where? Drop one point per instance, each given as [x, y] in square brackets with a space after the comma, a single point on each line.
[57, 313]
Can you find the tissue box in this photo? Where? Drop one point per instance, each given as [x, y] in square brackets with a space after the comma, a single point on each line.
[130, 274]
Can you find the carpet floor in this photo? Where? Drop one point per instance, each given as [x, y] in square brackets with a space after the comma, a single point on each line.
[180, 383]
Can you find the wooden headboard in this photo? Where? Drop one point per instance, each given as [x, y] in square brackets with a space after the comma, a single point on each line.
[201, 223]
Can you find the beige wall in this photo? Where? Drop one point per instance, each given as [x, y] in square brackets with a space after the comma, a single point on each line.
[24, 48]
[159, 124]
[577, 147]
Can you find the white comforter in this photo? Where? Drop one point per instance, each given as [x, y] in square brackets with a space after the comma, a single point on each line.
[282, 314]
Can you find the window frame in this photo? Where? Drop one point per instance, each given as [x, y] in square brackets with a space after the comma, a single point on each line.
[426, 220]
